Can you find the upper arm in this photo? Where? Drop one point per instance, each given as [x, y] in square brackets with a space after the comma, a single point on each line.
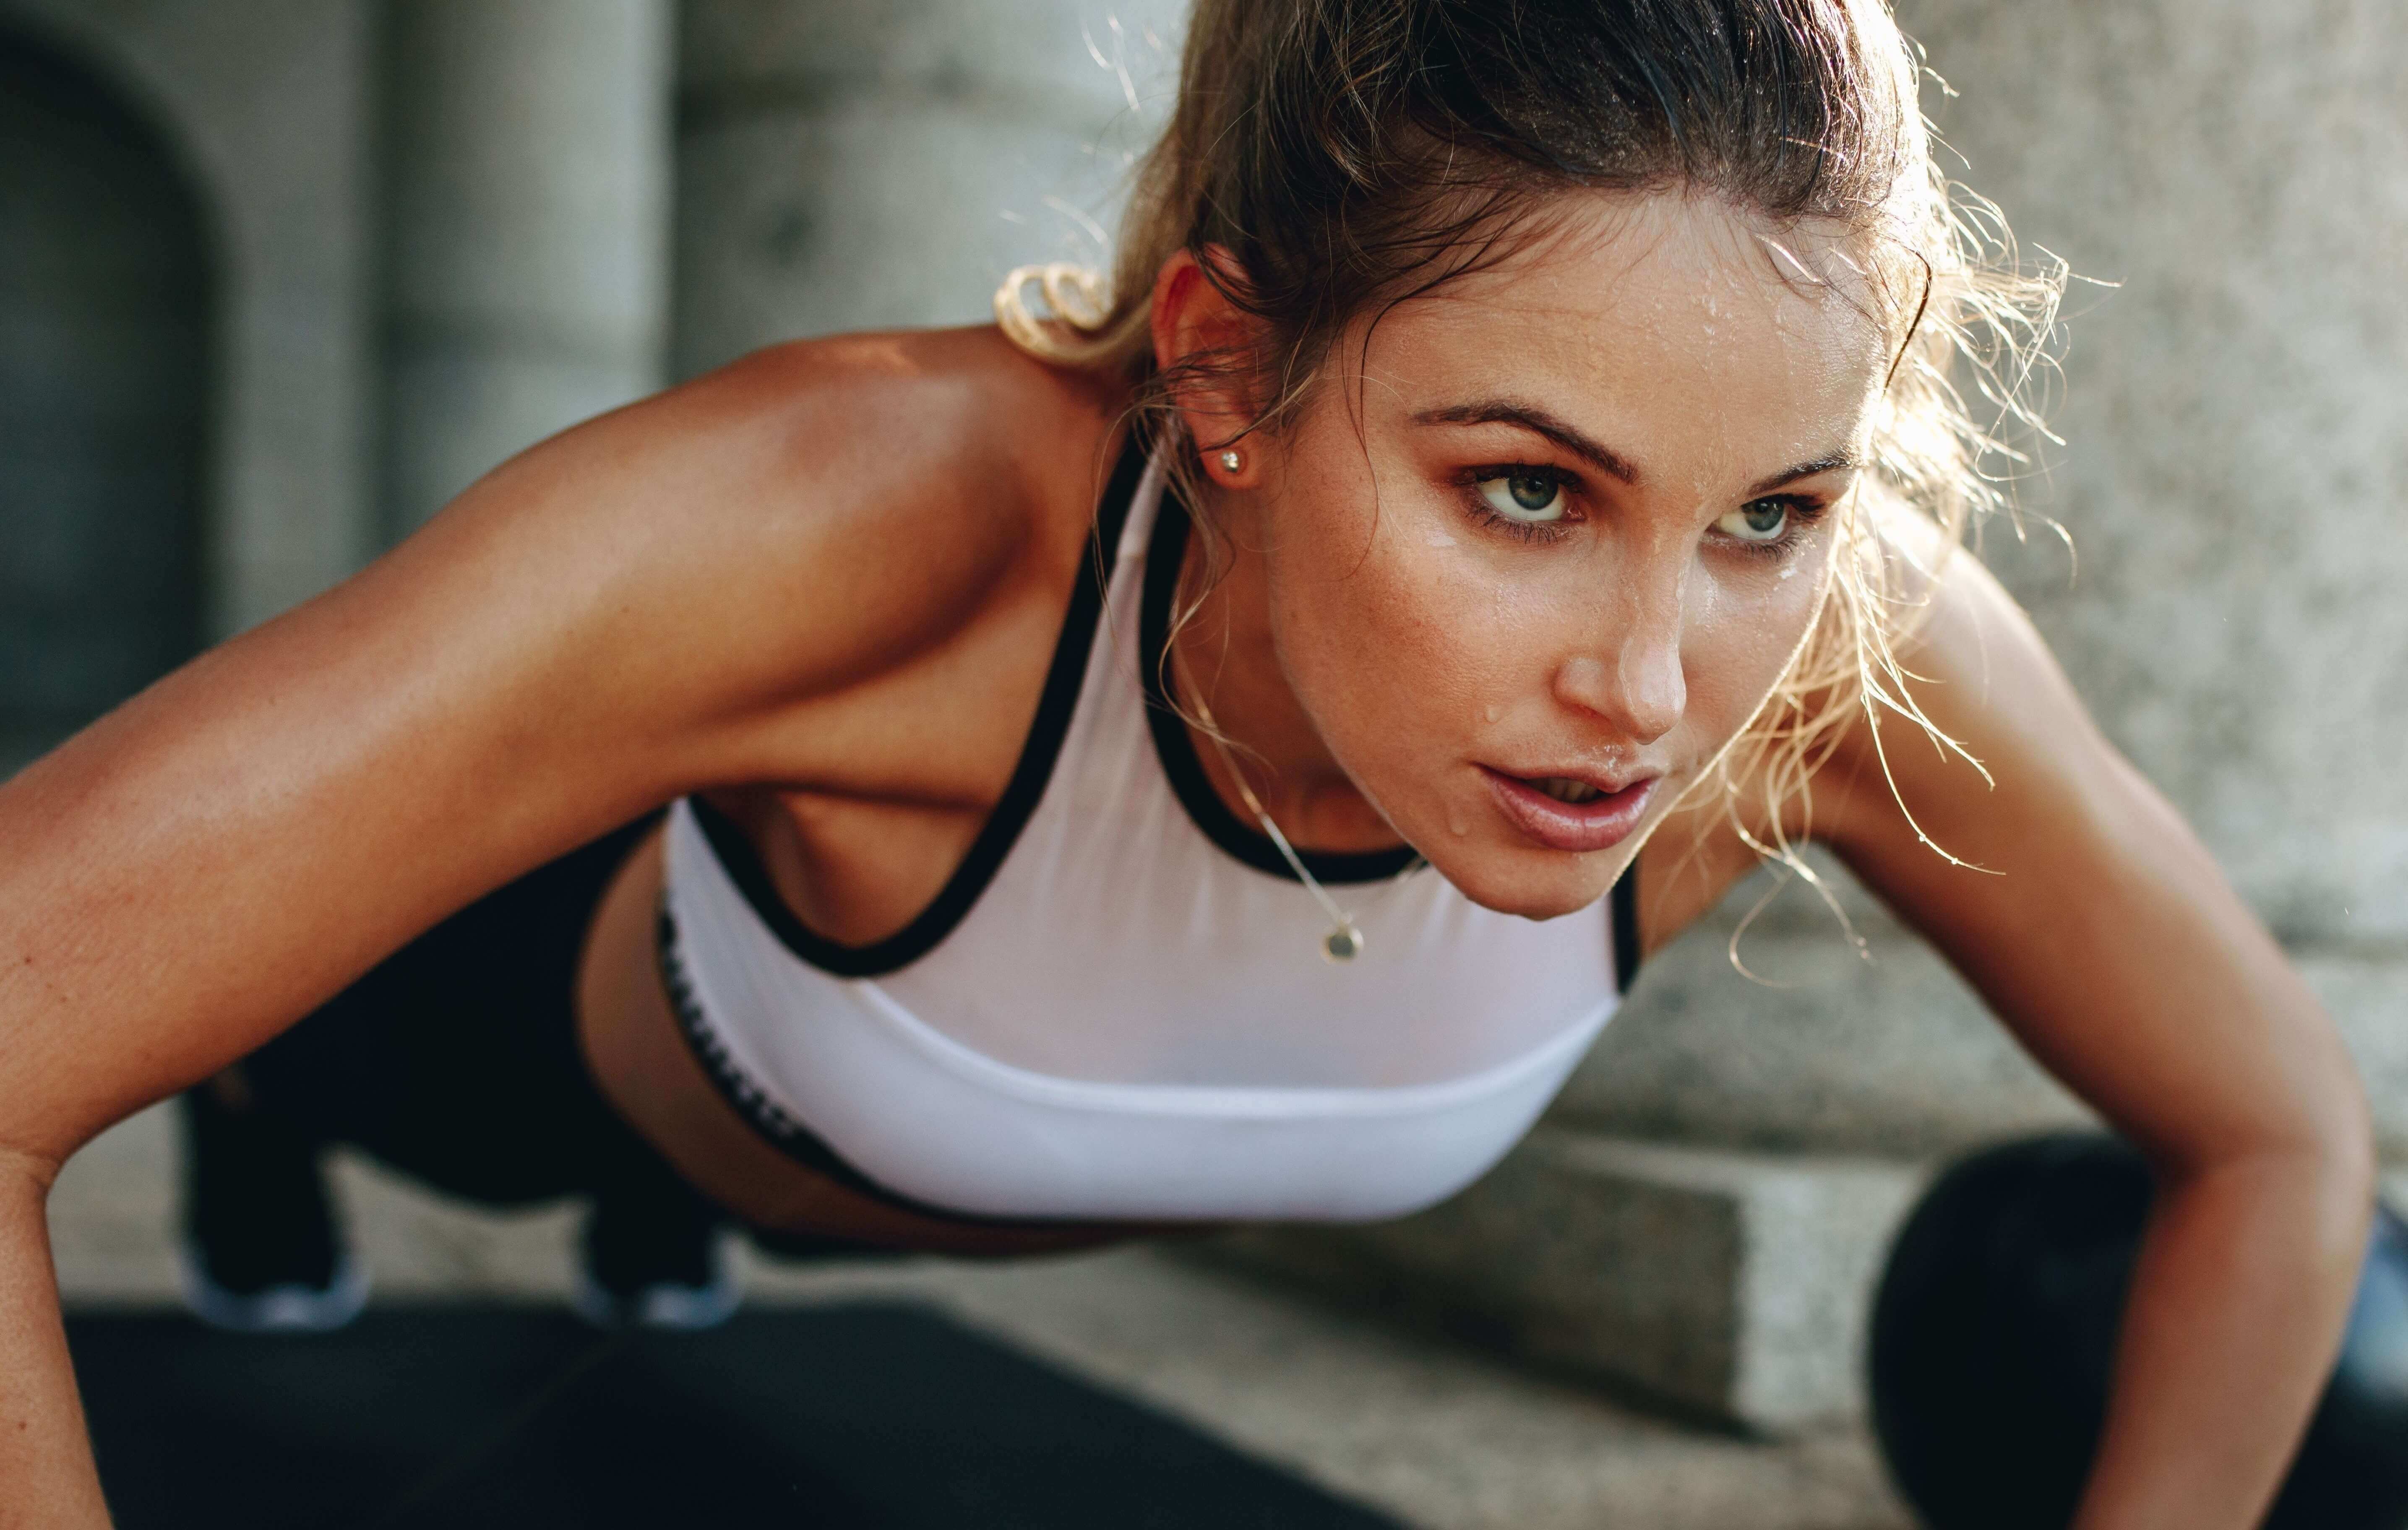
[617, 615]
[2075, 898]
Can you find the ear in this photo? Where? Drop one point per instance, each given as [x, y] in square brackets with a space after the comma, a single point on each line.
[1195, 322]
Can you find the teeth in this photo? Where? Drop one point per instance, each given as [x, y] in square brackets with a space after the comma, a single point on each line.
[1564, 790]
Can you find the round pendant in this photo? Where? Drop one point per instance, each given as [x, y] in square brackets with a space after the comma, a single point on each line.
[1342, 944]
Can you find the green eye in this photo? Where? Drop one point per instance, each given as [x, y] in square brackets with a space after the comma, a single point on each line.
[1525, 496]
[1759, 521]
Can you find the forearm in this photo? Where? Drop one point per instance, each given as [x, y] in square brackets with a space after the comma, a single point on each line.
[47, 1478]
[2235, 1314]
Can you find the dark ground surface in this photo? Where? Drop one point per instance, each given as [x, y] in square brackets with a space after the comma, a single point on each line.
[866, 1415]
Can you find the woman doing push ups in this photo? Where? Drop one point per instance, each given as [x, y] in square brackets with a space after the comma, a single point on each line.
[1213, 746]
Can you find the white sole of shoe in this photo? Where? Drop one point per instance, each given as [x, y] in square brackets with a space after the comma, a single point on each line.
[667, 1304]
[278, 1309]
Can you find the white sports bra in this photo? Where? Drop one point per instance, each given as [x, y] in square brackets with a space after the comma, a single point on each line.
[1118, 1008]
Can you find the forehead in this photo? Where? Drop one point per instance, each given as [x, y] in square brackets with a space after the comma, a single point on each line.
[1661, 321]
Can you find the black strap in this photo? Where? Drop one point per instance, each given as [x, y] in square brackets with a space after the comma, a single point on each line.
[782, 1131]
[742, 862]
[1176, 752]
[1012, 810]
[1625, 898]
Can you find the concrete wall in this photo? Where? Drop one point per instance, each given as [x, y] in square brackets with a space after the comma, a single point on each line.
[106, 318]
[269, 101]
[2237, 410]
[525, 197]
[866, 163]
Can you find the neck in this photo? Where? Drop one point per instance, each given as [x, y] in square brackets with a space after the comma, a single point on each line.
[1225, 657]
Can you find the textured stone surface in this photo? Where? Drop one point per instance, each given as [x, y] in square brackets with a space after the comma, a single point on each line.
[2236, 411]
[853, 166]
[106, 326]
[1827, 1051]
[268, 100]
[1443, 1437]
[526, 212]
[1733, 1285]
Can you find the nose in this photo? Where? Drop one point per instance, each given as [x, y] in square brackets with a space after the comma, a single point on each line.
[1631, 678]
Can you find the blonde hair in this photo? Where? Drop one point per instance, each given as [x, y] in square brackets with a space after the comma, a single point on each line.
[1330, 158]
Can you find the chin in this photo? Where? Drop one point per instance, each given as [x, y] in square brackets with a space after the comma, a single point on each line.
[1532, 883]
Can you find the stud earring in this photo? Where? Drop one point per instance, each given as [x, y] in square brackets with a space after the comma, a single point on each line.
[1232, 461]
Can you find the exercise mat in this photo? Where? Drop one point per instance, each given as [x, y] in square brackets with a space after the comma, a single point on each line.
[863, 1415]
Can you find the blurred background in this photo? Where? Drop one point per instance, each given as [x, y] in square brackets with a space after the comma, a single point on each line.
[279, 277]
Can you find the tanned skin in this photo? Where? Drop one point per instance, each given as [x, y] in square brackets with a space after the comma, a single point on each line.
[822, 585]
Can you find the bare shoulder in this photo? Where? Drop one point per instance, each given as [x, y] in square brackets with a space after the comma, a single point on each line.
[914, 431]
[822, 508]
[793, 523]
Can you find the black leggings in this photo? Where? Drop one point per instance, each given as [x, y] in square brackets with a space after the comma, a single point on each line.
[455, 1060]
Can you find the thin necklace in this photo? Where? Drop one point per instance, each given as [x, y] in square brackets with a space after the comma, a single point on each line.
[1344, 941]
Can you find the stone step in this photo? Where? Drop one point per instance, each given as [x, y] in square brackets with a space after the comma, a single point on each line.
[1721, 1283]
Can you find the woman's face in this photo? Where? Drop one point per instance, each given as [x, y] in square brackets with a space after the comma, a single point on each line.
[1534, 557]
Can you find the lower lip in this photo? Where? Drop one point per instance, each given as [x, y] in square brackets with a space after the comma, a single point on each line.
[1601, 823]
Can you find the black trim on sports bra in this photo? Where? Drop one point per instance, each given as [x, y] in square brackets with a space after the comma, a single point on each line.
[1177, 751]
[782, 1131]
[1624, 900]
[1012, 810]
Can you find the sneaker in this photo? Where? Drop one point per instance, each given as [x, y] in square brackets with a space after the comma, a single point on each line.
[261, 1252]
[653, 1267]
[289, 1307]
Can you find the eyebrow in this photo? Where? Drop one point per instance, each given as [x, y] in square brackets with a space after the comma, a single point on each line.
[1596, 453]
[1830, 462]
[1500, 411]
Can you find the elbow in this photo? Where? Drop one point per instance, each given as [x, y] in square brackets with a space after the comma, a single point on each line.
[2312, 1172]
[2343, 1175]
[22, 1170]
[2329, 1132]
[2345, 1178]
[2328, 1171]
[2352, 1153]
[2322, 1123]
[2339, 1146]
[2351, 1175]
[2336, 1170]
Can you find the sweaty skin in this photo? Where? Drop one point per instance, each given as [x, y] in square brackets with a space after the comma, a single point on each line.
[1515, 547]
[1386, 636]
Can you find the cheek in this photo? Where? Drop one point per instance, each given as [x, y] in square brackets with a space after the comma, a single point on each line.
[1407, 649]
[1739, 643]
[1384, 641]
